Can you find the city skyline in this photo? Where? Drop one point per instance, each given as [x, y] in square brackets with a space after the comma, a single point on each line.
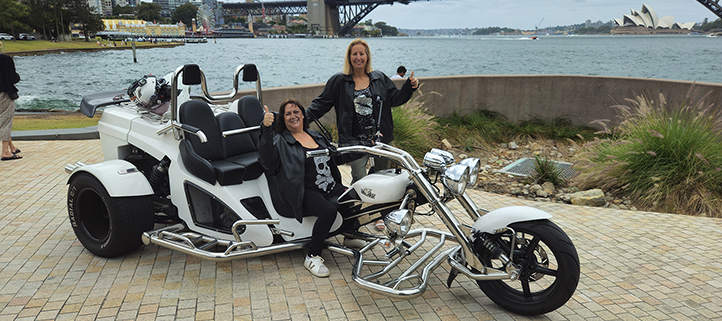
[526, 14]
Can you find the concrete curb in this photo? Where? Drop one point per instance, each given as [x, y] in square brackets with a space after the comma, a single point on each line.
[57, 134]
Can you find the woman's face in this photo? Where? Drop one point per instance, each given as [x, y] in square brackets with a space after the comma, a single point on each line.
[293, 117]
[358, 57]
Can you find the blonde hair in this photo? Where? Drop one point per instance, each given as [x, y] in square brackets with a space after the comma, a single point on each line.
[347, 67]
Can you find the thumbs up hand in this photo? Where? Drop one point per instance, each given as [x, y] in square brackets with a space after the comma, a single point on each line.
[414, 81]
[267, 117]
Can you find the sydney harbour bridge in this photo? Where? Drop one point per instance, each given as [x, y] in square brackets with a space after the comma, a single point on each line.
[338, 17]
[325, 17]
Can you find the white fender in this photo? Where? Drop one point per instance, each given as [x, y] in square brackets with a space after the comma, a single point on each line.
[120, 178]
[504, 216]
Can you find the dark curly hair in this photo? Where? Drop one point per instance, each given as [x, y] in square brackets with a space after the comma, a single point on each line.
[281, 123]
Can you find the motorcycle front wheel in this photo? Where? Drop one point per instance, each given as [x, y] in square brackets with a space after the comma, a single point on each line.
[549, 269]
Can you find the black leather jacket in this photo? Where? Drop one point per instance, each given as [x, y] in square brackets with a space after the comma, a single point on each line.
[283, 155]
[338, 93]
[8, 76]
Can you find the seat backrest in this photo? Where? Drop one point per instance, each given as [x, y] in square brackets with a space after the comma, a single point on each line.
[234, 144]
[198, 114]
[251, 111]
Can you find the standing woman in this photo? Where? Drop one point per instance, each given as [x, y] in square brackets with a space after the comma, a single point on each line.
[359, 94]
[8, 94]
[306, 185]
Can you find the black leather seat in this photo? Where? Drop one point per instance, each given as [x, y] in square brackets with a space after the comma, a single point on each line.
[207, 160]
[239, 148]
[251, 111]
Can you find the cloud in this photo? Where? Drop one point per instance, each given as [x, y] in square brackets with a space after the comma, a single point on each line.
[525, 14]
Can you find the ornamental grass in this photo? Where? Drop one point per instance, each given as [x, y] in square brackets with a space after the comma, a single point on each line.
[414, 126]
[665, 157]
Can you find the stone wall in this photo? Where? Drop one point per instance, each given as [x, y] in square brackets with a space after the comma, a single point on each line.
[581, 99]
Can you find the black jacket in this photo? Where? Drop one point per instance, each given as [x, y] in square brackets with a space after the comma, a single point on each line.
[8, 76]
[338, 93]
[284, 156]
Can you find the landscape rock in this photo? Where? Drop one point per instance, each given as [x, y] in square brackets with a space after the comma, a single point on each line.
[446, 143]
[592, 197]
[548, 186]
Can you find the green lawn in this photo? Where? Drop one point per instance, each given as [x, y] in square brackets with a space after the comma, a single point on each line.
[36, 45]
[53, 120]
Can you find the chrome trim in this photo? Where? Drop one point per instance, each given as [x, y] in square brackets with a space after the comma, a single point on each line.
[174, 125]
[241, 131]
[455, 178]
[474, 167]
[393, 288]
[173, 238]
[487, 274]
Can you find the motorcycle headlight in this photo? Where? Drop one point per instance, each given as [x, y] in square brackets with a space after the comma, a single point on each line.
[438, 159]
[474, 166]
[398, 222]
[456, 177]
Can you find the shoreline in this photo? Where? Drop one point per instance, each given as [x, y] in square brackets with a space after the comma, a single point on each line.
[99, 48]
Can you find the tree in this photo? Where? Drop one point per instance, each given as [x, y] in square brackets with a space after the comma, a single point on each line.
[714, 25]
[297, 28]
[387, 30]
[148, 11]
[118, 10]
[85, 16]
[185, 13]
[11, 15]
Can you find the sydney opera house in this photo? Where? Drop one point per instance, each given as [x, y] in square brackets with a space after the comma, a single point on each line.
[646, 22]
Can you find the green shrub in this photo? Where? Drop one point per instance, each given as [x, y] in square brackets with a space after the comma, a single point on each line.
[666, 158]
[483, 126]
[490, 127]
[556, 129]
[545, 171]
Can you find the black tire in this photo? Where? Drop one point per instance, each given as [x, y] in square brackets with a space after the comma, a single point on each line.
[549, 271]
[107, 226]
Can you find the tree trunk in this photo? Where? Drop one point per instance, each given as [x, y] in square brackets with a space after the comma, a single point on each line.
[61, 38]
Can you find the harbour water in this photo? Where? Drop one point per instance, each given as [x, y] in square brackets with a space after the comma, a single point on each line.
[59, 81]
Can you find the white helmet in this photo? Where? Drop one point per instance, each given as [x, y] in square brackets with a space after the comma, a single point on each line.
[143, 92]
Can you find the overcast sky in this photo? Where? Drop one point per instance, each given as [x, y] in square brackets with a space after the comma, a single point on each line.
[525, 14]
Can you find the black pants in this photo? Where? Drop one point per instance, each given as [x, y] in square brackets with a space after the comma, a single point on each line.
[317, 204]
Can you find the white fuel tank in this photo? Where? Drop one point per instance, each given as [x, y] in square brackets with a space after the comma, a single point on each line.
[382, 187]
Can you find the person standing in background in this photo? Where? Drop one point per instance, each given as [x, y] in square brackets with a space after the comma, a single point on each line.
[400, 72]
[8, 93]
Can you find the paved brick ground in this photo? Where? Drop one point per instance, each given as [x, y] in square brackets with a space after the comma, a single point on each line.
[635, 266]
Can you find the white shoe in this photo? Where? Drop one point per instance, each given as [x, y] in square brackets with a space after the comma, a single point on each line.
[354, 243]
[314, 264]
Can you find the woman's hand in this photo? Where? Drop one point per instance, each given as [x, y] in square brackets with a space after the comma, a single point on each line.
[414, 81]
[267, 117]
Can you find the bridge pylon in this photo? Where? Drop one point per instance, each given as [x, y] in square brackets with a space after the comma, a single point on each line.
[322, 18]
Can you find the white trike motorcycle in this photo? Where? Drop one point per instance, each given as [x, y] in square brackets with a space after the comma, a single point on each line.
[189, 180]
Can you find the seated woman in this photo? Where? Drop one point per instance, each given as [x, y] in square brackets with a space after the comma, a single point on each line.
[306, 184]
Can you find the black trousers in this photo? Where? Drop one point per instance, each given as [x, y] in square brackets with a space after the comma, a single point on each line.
[317, 204]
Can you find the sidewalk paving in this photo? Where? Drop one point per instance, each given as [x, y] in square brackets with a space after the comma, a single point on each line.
[635, 266]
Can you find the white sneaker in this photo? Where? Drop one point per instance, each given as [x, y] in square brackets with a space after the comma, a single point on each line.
[314, 264]
[353, 243]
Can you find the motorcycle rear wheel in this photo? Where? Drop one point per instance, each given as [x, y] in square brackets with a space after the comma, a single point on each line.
[549, 271]
[107, 226]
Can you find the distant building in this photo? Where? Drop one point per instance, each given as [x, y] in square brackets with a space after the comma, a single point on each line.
[646, 22]
[144, 28]
[105, 7]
